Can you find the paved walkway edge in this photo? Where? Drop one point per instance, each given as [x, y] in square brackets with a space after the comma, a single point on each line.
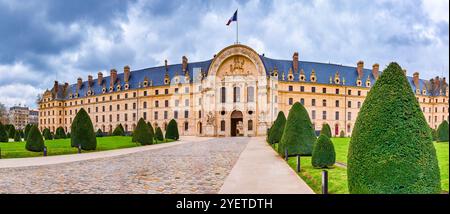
[260, 170]
[57, 159]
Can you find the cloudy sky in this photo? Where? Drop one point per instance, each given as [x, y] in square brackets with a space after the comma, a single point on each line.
[44, 40]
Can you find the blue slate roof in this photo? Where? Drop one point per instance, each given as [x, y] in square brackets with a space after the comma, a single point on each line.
[156, 74]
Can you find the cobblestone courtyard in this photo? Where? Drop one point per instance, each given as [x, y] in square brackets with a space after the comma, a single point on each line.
[196, 167]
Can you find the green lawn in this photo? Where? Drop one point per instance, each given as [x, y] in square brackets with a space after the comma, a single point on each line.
[62, 147]
[337, 176]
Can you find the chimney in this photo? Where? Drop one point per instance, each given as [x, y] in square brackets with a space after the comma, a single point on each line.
[66, 85]
[359, 69]
[113, 76]
[165, 64]
[126, 71]
[416, 79]
[79, 82]
[100, 78]
[185, 63]
[375, 70]
[90, 81]
[437, 83]
[55, 87]
[295, 62]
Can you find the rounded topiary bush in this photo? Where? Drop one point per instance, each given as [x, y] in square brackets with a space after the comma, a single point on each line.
[3, 133]
[158, 134]
[172, 130]
[442, 132]
[342, 134]
[391, 149]
[99, 133]
[298, 135]
[276, 131]
[142, 133]
[35, 141]
[17, 137]
[326, 130]
[82, 132]
[324, 155]
[119, 131]
[60, 133]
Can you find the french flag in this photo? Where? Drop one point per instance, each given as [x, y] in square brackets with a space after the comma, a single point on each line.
[233, 18]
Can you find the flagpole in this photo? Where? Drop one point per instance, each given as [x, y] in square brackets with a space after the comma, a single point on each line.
[237, 27]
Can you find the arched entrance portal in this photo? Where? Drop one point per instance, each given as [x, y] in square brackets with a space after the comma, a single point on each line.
[237, 125]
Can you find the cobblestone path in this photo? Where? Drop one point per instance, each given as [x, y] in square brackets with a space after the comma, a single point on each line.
[197, 167]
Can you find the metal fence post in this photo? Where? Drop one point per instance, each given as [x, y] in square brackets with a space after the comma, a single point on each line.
[79, 148]
[45, 151]
[324, 182]
[286, 157]
[298, 163]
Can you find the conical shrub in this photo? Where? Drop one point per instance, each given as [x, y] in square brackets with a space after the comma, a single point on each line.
[3, 134]
[324, 155]
[60, 133]
[11, 131]
[119, 131]
[35, 141]
[159, 135]
[391, 149]
[172, 130]
[17, 137]
[326, 130]
[276, 131]
[150, 127]
[142, 133]
[442, 132]
[298, 135]
[27, 129]
[342, 134]
[99, 133]
[47, 134]
[82, 132]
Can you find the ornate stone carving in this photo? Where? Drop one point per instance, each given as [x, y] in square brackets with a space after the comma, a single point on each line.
[210, 118]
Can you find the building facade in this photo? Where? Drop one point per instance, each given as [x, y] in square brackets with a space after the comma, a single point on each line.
[237, 93]
[20, 116]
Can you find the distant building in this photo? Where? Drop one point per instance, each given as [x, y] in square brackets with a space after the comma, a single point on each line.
[20, 116]
[33, 117]
[237, 93]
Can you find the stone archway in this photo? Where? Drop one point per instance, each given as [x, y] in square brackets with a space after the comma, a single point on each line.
[237, 124]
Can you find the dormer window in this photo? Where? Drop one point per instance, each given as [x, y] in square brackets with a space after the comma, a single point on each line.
[290, 77]
[358, 83]
[118, 87]
[126, 86]
[417, 91]
[111, 89]
[424, 92]
[302, 78]
[103, 90]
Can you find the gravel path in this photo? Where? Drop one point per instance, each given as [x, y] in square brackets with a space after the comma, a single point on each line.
[197, 167]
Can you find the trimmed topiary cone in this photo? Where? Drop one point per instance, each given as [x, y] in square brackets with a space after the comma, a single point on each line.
[142, 133]
[391, 149]
[47, 134]
[82, 132]
[172, 130]
[17, 137]
[11, 131]
[3, 134]
[276, 131]
[27, 129]
[342, 134]
[60, 133]
[99, 133]
[298, 135]
[35, 141]
[326, 130]
[150, 127]
[442, 132]
[323, 155]
[119, 131]
[159, 135]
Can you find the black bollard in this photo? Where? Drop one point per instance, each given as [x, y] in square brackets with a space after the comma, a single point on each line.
[324, 182]
[79, 148]
[298, 163]
[45, 151]
[286, 157]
